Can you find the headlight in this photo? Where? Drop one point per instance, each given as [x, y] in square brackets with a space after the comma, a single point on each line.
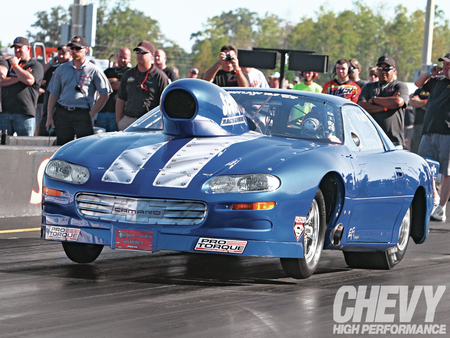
[67, 172]
[244, 183]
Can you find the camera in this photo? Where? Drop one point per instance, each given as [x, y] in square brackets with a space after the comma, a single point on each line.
[80, 89]
[229, 58]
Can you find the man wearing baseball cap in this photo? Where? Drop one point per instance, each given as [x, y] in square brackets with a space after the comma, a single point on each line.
[140, 87]
[73, 95]
[355, 71]
[435, 143]
[193, 73]
[386, 100]
[20, 90]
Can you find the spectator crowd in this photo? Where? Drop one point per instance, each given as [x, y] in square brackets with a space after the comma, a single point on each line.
[69, 96]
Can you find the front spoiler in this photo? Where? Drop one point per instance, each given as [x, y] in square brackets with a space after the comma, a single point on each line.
[177, 242]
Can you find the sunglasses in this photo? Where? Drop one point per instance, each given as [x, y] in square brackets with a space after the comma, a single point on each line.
[141, 52]
[76, 48]
[386, 69]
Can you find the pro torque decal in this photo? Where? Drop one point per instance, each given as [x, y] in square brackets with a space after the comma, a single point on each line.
[220, 245]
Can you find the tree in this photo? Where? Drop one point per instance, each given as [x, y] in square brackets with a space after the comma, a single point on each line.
[122, 26]
[361, 32]
[350, 34]
[441, 35]
[177, 57]
[49, 26]
[241, 28]
[272, 32]
[400, 33]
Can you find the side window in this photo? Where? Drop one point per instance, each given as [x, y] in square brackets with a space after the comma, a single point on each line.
[359, 132]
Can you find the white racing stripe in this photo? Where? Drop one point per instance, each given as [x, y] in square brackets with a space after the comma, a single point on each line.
[190, 159]
[125, 168]
[180, 169]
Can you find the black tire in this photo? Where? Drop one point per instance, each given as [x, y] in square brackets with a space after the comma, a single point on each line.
[82, 252]
[383, 260]
[313, 240]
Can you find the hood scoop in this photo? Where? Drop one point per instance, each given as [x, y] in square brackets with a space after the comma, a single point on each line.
[197, 108]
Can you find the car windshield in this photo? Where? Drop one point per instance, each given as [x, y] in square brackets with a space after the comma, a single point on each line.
[150, 121]
[275, 113]
[290, 115]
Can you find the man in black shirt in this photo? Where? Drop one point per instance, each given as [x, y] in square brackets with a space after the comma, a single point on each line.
[435, 141]
[3, 72]
[20, 91]
[106, 118]
[418, 101]
[230, 75]
[386, 100]
[140, 88]
[160, 62]
[354, 72]
[62, 57]
[3, 68]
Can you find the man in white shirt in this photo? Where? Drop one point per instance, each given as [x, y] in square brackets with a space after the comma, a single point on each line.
[255, 77]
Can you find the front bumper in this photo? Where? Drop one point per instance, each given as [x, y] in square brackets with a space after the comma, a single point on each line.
[150, 238]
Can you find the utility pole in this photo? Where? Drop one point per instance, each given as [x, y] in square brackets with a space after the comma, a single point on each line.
[84, 22]
[78, 18]
[428, 37]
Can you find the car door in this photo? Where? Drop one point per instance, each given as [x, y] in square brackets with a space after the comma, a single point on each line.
[378, 181]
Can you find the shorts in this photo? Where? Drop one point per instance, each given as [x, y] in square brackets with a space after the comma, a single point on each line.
[437, 147]
[126, 121]
[417, 137]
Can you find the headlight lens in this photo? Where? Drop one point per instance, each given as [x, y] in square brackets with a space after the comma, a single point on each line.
[67, 172]
[244, 183]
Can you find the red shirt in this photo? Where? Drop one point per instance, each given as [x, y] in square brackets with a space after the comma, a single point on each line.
[348, 90]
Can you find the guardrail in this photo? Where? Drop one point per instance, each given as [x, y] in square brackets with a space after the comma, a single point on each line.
[22, 164]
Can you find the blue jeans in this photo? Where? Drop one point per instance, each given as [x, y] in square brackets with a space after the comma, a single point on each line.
[21, 124]
[107, 121]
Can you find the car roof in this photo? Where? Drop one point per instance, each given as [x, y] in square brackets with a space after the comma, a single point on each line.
[339, 101]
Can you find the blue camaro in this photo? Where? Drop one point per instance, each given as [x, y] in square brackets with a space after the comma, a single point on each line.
[241, 171]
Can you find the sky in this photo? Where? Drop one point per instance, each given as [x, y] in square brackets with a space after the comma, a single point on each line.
[178, 19]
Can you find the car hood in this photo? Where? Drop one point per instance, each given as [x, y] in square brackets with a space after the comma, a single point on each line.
[121, 157]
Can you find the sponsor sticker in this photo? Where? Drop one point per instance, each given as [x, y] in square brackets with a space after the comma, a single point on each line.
[63, 233]
[220, 245]
[133, 240]
[299, 226]
[229, 121]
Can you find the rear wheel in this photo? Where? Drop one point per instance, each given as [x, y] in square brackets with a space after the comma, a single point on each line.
[313, 239]
[387, 259]
[82, 252]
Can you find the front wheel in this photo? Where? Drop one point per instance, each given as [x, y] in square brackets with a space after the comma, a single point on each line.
[313, 239]
[82, 252]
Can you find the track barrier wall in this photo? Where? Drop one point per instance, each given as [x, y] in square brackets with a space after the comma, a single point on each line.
[22, 163]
